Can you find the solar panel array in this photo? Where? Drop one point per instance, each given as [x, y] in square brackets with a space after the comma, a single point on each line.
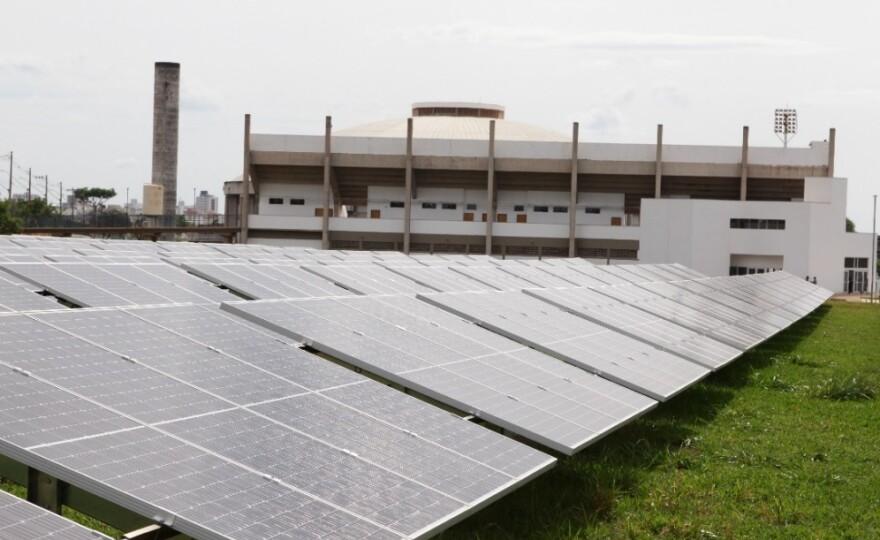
[21, 520]
[220, 417]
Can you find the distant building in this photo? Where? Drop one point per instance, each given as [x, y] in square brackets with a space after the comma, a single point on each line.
[206, 204]
[527, 191]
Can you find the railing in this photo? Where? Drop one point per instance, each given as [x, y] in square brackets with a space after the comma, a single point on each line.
[119, 220]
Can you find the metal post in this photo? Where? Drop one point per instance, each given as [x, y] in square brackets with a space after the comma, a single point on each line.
[61, 196]
[10, 175]
[873, 264]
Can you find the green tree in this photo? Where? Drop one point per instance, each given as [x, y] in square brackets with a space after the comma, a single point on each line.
[94, 197]
[850, 226]
[34, 211]
[9, 224]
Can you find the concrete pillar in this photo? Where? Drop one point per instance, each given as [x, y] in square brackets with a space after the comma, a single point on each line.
[832, 135]
[490, 188]
[407, 201]
[166, 110]
[744, 166]
[572, 205]
[658, 164]
[244, 201]
[325, 215]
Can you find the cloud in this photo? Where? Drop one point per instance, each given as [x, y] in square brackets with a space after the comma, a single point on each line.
[468, 31]
[125, 163]
[19, 66]
[602, 121]
[196, 96]
[671, 94]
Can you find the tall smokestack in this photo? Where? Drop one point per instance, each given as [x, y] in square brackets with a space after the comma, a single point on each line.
[166, 109]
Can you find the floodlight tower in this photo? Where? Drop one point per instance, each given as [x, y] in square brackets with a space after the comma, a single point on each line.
[785, 125]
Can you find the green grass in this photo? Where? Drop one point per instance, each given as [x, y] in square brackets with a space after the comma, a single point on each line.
[783, 443]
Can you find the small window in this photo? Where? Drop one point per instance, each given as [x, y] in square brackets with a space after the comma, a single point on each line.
[396, 204]
[470, 206]
[276, 200]
[594, 210]
[560, 209]
[298, 202]
[540, 208]
[519, 208]
[429, 205]
[448, 206]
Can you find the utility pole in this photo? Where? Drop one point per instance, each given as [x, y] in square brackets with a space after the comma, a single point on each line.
[873, 265]
[10, 175]
[29, 185]
[60, 196]
[46, 178]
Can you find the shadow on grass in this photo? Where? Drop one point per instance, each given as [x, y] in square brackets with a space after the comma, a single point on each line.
[584, 489]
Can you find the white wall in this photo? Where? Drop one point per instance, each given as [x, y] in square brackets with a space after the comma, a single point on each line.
[697, 233]
[313, 195]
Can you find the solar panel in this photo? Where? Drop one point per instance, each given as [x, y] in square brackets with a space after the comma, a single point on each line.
[440, 278]
[640, 325]
[469, 369]
[14, 297]
[63, 285]
[77, 407]
[21, 520]
[367, 279]
[616, 357]
[495, 277]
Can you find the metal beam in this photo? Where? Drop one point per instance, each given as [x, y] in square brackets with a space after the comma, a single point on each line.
[153, 532]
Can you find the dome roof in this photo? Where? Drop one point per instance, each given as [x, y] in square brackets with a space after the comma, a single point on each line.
[454, 127]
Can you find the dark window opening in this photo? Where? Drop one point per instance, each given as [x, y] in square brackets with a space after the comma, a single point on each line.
[519, 208]
[396, 204]
[429, 205]
[592, 210]
[540, 208]
[448, 206]
[297, 201]
[560, 209]
[276, 200]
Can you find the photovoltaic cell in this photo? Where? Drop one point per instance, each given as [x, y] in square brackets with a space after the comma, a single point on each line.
[21, 520]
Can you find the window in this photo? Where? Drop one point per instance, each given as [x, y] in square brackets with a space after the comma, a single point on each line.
[470, 206]
[855, 262]
[742, 223]
[448, 206]
[429, 205]
[297, 201]
[560, 209]
[540, 208]
[592, 210]
[276, 200]
[519, 208]
[396, 204]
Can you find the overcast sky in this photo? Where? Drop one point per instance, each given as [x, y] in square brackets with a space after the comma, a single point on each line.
[76, 78]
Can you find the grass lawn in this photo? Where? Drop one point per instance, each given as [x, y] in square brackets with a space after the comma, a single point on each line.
[783, 443]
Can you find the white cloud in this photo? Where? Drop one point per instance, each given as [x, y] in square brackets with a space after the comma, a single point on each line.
[671, 94]
[469, 31]
[605, 121]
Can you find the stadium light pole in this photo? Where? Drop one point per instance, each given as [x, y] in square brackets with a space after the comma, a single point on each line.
[785, 125]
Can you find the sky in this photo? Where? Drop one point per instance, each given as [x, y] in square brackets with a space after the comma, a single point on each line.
[76, 78]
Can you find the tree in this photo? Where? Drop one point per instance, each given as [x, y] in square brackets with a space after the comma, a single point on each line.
[34, 211]
[9, 224]
[850, 226]
[94, 197]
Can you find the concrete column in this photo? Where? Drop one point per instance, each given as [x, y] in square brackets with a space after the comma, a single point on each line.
[407, 201]
[490, 189]
[325, 219]
[658, 164]
[832, 135]
[244, 200]
[744, 166]
[166, 110]
[572, 205]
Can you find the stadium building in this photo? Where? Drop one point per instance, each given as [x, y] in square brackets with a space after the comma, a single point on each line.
[461, 178]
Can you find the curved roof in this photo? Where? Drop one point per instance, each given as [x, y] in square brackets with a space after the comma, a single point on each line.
[448, 127]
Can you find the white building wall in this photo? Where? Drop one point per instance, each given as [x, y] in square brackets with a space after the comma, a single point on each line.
[312, 195]
[697, 233]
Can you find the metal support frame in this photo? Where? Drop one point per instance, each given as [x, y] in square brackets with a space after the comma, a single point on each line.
[44, 490]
